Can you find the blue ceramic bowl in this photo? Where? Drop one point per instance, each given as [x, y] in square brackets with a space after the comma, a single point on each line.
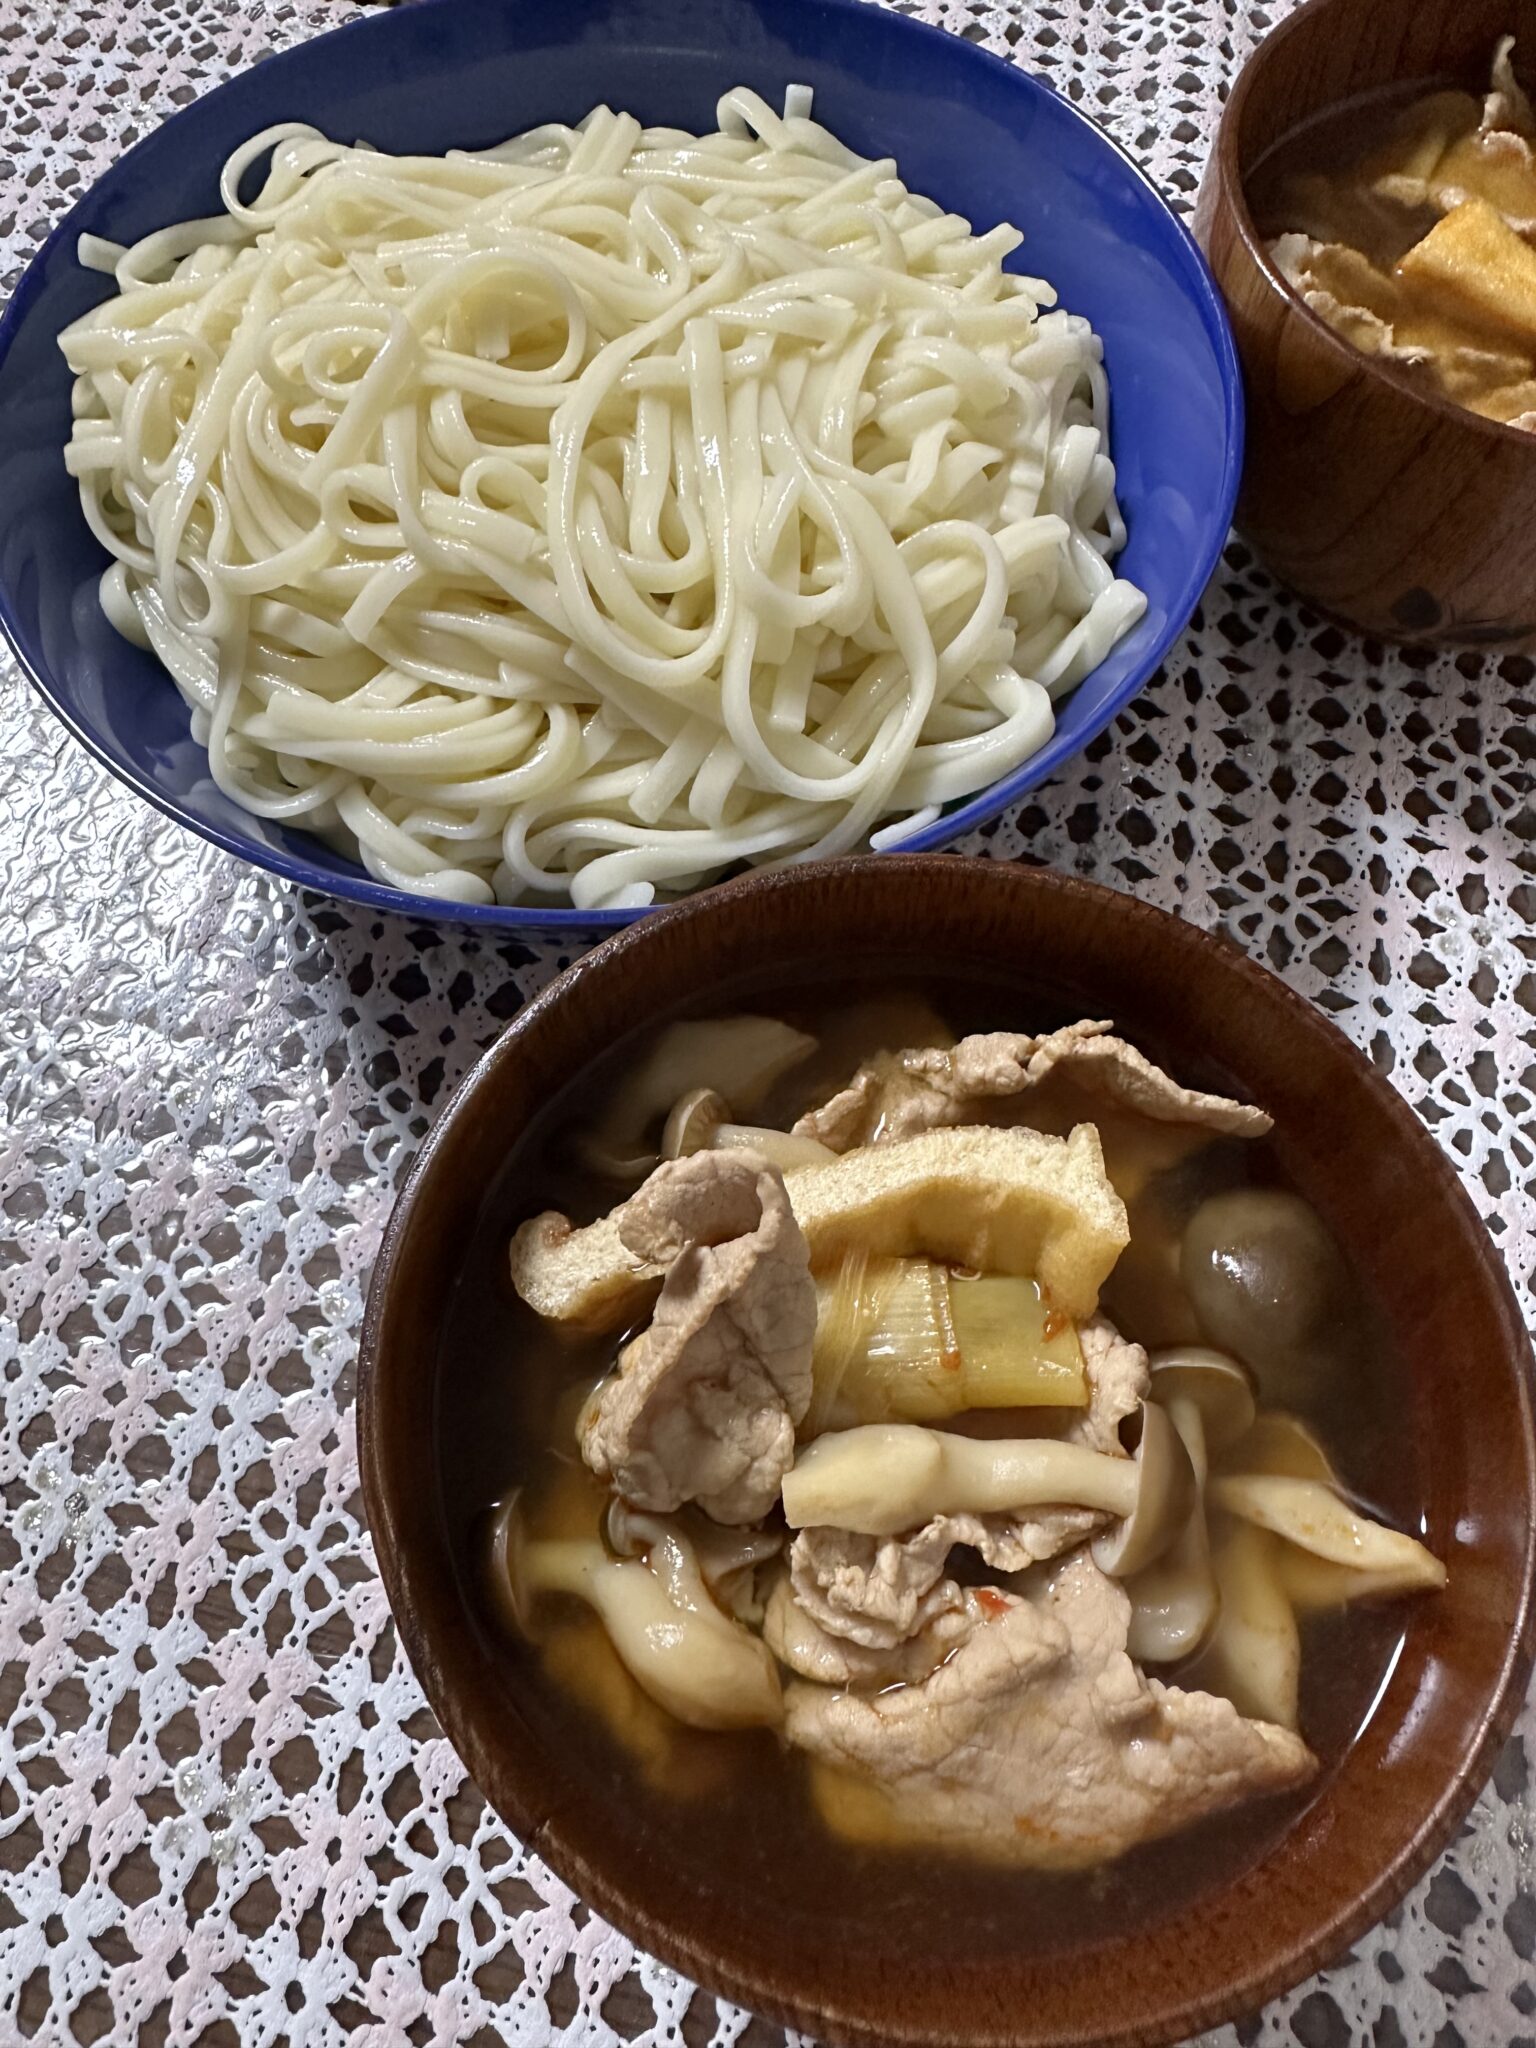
[987, 140]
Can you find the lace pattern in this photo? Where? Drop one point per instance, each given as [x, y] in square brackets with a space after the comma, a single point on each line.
[226, 1815]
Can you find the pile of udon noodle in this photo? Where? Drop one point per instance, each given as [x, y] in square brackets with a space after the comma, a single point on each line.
[580, 517]
[866, 1467]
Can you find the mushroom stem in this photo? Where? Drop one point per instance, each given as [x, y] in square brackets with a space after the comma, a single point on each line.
[1254, 1658]
[559, 1564]
[1279, 1446]
[1174, 1600]
[738, 1058]
[726, 1557]
[884, 1477]
[1167, 1495]
[1312, 1584]
[1184, 1413]
[780, 1148]
[1312, 1516]
[670, 1636]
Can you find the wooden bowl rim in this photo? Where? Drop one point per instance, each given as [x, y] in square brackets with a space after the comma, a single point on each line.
[753, 1984]
[1234, 196]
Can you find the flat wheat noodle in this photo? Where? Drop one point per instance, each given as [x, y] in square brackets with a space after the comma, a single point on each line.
[575, 519]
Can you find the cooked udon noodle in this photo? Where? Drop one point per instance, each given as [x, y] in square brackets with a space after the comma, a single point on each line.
[580, 517]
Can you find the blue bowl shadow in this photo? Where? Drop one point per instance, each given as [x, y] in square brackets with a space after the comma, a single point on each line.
[987, 140]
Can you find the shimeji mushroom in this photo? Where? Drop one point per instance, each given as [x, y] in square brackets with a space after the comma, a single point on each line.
[1312, 1516]
[780, 1148]
[1264, 1274]
[1208, 1398]
[1280, 1446]
[727, 1557]
[738, 1059]
[700, 1122]
[886, 1477]
[1166, 1495]
[1254, 1656]
[1208, 1395]
[693, 1122]
[1286, 1541]
[672, 1638]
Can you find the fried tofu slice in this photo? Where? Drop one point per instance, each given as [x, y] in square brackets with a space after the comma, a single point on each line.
[1476, 269]
[999, 1201]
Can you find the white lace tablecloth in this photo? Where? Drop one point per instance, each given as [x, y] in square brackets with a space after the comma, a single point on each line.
[226, 1815]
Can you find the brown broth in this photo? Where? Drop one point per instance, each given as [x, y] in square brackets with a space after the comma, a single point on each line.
[735, 1809]
[1323, 179]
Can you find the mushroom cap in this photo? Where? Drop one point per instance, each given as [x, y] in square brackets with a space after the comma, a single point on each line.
[1262, 1272]
[694, 1119]
[1175, 1603]
[1215, 1383]
[741, 1056]
[1167, 1492]
[627, 1531]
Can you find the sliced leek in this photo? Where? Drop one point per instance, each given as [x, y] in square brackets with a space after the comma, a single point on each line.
[1016, 1350]
[906, 1340]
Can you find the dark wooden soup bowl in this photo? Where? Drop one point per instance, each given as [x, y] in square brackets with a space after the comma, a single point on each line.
[1343, 1136]
[1384, 505]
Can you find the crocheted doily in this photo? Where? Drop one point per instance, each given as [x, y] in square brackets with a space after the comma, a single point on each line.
[226, 1815]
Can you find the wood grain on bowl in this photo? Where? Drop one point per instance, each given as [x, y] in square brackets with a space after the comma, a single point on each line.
[1343, 1137]
[1386, 506]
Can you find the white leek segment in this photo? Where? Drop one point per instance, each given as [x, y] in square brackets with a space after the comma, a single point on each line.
[905, 1340]
[1016, 1350]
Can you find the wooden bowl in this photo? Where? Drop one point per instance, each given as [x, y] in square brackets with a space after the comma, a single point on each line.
[1054, 946]
[1385, 506]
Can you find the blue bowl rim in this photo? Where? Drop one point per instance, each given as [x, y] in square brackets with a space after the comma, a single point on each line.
[950, 826]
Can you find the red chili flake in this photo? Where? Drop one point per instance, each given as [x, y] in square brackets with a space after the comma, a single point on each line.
[951, 1361]
[1025, 1826]
[991, 1602]
[1055, 1322]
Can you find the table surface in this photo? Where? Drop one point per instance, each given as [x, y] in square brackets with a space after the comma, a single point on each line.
[226, 1815]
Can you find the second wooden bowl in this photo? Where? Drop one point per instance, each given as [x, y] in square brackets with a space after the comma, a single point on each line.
[1385, 506]
[755, 1919]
